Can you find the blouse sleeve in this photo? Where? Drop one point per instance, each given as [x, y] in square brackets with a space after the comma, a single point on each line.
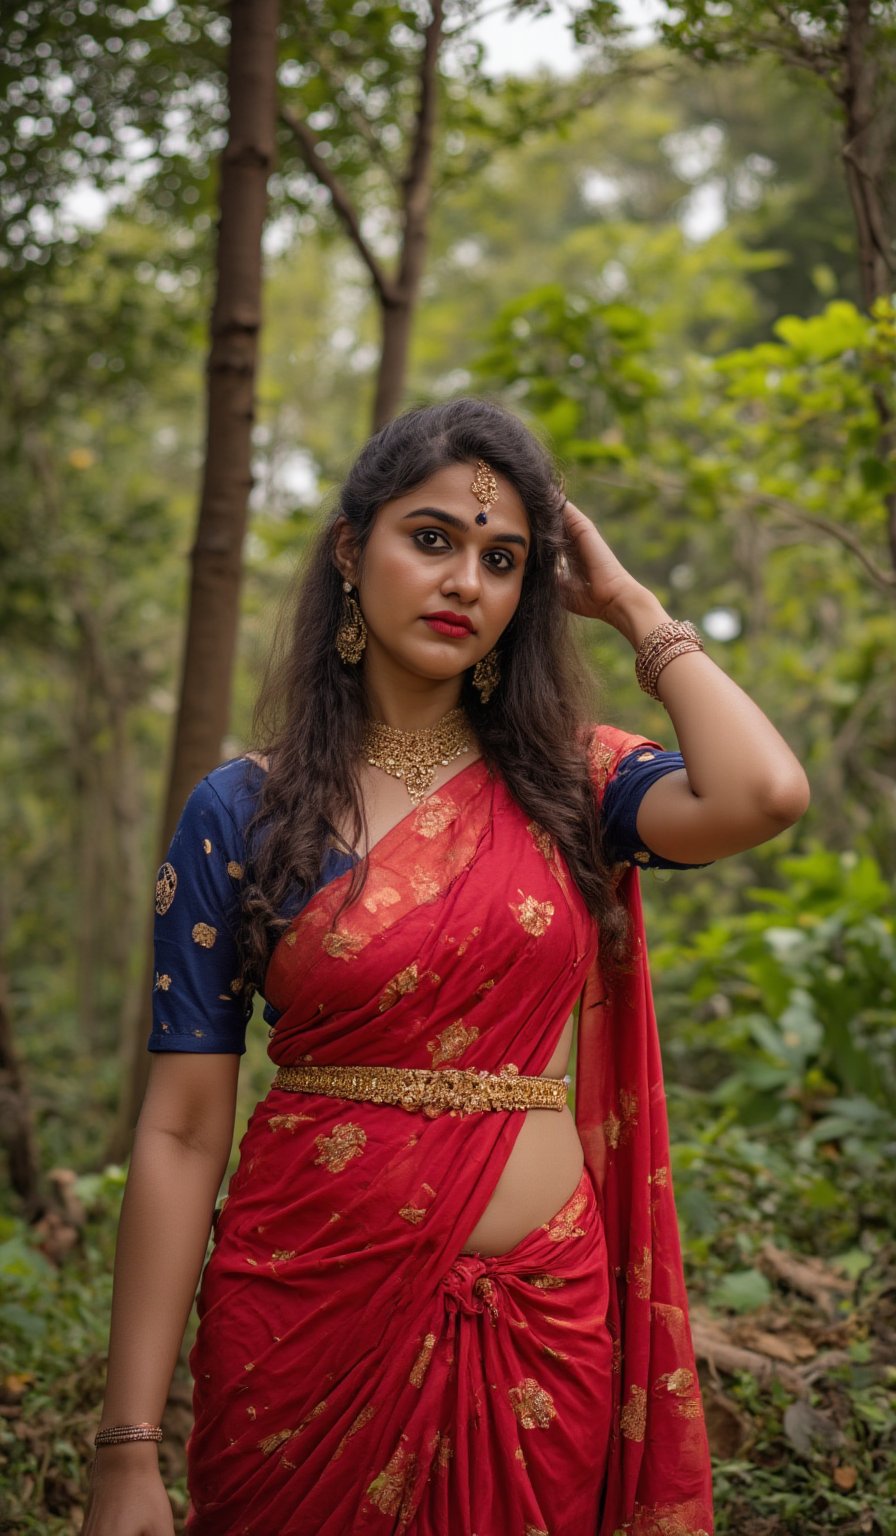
[197, 1001]
[619, 809]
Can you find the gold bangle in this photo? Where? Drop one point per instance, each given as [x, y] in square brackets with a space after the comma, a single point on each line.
[124, 1434]
[674, 637]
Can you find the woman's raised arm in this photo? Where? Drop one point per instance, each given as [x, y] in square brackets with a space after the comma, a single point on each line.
[741, 784]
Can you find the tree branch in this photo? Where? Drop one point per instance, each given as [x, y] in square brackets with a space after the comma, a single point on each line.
[307, 141]
[886, 580]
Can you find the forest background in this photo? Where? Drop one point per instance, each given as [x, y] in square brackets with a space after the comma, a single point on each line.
[675, 259]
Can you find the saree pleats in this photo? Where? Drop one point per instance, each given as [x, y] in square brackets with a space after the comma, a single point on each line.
[353, 1369]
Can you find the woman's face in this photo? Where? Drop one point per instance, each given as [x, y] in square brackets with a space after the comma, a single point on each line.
[427, 555]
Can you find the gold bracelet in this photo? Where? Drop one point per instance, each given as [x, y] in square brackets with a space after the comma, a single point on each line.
[124, 1434]
[674, 637]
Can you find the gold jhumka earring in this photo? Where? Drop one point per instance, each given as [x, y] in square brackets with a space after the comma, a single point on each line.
[351, 636]
[487, 675]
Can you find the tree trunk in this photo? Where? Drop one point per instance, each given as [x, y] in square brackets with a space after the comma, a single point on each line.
[868, 141]
[16, 1124]
[398, 310]
[216, 557]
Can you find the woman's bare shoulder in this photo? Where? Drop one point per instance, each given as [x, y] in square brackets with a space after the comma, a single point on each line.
[256, 757]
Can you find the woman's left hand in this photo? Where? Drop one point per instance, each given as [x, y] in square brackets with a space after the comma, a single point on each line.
[594, 583]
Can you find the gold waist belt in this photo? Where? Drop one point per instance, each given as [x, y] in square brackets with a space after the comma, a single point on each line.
[457, 1090]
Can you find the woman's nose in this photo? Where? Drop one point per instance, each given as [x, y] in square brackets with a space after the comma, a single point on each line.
[463, 578]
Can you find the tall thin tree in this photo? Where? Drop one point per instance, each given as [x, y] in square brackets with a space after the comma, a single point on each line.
[217, 553]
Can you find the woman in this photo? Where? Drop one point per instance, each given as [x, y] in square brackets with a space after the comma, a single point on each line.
[437, 1301]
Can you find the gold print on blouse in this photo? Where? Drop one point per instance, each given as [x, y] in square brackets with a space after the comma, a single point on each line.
[206, 845]
[392, 1488]
[532, 1404]
[532, 915]
[633, 1418]
[204, 935]
[162, 983]
[618, 1128]
[452, 1041]
[337, 1150]
[234, 870]
[166, 885]
[357, 1423]
[421, 1364]
[406, 981]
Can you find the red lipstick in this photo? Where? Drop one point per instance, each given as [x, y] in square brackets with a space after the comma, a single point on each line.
[454, 624]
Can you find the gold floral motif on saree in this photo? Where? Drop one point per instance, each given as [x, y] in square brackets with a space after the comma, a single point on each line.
[286, 1122]
[336, 1151]
[452, 1041]
[424, 885]
[383, 896]
[534, 1530]
[672, 1318]
[342, 944]
[445, 1450]
[270, 1443]
[416, 1213]
[390, 1492]
[532, 1404]
[641, 1270]
[421, 1364]
[633, 1418]
[357, 1423]
[563, 1226]
[532, 915]
[166, 885]
[404, 982]
[433, 816]
[618, 1128]
[547, 1282]
[162, 983]
[555, 1354]
[664, 1520]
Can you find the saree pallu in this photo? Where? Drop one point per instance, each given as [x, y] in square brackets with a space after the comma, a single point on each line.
[353, 1369]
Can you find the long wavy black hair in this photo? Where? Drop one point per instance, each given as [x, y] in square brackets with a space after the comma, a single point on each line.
[311, 709]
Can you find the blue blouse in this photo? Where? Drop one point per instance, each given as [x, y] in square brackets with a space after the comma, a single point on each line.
[198, 1003]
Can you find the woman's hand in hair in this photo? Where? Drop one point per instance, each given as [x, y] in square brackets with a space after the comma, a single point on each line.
[593, 582]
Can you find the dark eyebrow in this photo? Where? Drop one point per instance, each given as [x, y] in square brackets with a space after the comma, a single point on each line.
[458, 522]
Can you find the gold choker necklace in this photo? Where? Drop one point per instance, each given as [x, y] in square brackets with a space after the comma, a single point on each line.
[413, 755]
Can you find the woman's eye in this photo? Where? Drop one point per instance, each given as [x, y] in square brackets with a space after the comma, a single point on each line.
[429, 533]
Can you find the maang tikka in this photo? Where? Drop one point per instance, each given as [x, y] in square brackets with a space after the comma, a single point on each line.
[351, 636]
[485, 489]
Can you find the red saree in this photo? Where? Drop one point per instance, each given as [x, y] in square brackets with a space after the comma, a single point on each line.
[354, 1371]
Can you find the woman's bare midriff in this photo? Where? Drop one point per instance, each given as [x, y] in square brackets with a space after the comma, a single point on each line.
[543, 1169]
[546, 1160]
